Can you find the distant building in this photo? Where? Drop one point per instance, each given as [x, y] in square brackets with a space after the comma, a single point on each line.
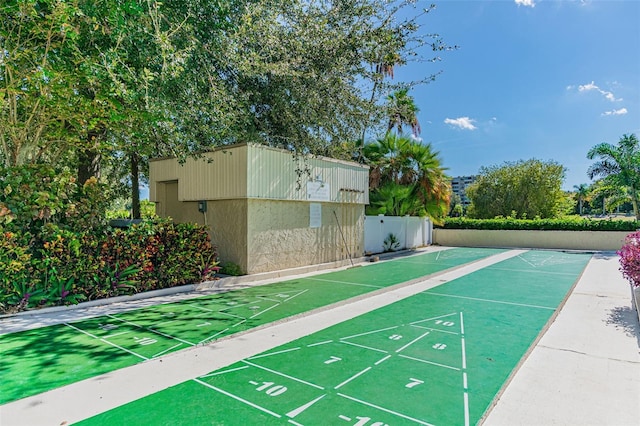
[459, 185]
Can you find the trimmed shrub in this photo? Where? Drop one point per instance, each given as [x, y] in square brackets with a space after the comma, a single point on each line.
[567, 224]
[62, 266]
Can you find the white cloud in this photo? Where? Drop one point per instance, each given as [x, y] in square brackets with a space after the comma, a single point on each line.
[621, 111]
[592, 86]
[465, 123]
[529, 3]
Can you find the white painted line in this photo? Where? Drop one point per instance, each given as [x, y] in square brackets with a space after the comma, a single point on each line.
[341, 417]
[538, 271]
[433, 318]
[293, 422]
[80, 330]
[166, 350]
[264, 310]
[171, 337]
[466, 409]
[212, 336]
[526, 261]
[382, 360]
[117, 334]
[296, 295]
[275, 353]
[490, 301]
[430, 362]
[300, 409]
[461, 324]
[217, 373]
[364, 347]
[369, 332]
[385, 409]
[282, 374]
[238, 323]
[353, 377]
[237, 398]
[412, 342]
[464, 381]
[464, 354]
[435, 329]
[124, 321]
[319, 343]
[107, 342]
[345, 282]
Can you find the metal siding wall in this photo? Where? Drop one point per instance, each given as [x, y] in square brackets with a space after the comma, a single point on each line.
[255, 171]
[222, 178]
[272, 175]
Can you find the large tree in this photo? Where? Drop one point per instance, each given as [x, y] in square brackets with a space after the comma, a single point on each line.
[525, 189]
[406, 178]
[37, 82]
[582, 192]
[619, 165]
[117, 83]
[402, 111]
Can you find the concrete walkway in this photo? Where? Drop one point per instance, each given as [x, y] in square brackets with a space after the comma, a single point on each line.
[584, 370]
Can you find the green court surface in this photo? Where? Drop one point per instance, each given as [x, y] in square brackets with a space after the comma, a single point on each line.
[437, 358]
[39, 360]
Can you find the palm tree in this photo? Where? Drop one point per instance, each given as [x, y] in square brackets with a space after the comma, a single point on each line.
[402, 112]
[619, 165]
[582, 191]
[398, 161]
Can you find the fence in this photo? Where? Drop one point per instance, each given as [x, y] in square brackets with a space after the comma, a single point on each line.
[409, 231]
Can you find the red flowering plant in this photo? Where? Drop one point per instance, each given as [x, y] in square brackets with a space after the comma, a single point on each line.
[630, 258]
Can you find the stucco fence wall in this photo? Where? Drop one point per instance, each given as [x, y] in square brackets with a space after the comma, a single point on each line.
[567, 240]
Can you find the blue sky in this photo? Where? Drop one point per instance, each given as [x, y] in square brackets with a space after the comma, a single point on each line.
[531, 79]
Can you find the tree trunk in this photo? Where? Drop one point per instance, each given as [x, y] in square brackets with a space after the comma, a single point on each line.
[135, 185]
[89, 158]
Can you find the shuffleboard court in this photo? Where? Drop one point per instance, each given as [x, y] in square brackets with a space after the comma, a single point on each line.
[39, 360]
[437, 358]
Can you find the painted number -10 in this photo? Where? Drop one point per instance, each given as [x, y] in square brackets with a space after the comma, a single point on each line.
[271, 388]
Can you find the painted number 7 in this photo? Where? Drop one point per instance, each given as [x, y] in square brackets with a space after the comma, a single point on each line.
[332, 359]
[413, 383]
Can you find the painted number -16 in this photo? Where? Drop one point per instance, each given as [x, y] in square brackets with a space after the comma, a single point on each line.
[364, 421]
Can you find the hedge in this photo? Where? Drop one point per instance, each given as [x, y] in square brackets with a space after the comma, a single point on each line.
[59, 266]
[569, 224]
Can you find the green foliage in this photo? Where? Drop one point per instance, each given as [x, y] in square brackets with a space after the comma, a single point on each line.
[537, 224]
[33, 195]
[62, 266]
[391, 243]
[230, 268]
[619, 165]
[147, 211]
[406, 178]
[529, 188]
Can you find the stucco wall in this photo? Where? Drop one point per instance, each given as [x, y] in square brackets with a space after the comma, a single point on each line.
[279, 235]
[570, 240]
[227, 220]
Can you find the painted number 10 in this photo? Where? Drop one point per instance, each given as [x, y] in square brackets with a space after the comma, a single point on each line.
[270, 388]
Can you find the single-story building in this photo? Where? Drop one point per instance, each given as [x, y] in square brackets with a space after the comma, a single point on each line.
[267, 208]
